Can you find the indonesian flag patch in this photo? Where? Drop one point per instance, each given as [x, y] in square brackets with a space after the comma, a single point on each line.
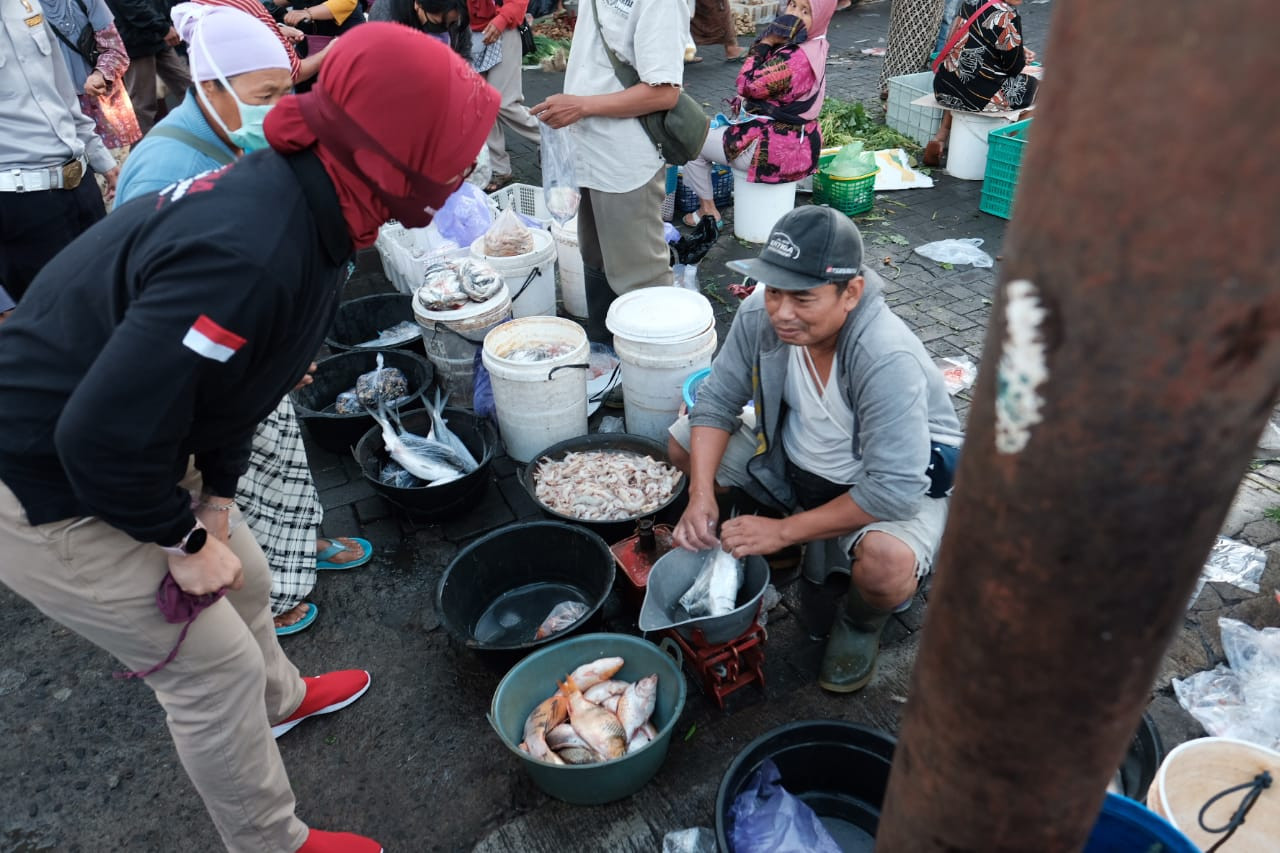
[208, 339]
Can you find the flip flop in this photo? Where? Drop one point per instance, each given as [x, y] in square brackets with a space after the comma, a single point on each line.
[739, 58]
[697, 219]
[497, 182]
[335, 548]
[302, 624]
[693, 61]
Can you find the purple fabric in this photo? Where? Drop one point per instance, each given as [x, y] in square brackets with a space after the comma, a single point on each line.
[176, 606]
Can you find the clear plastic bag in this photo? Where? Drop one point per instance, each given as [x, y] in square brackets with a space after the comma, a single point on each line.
[699, 839]
[1242, 698]
[852, 162]
[960, 251]
[382, 385]
[766, 818]
[507, 237]
[958, 372]
[559, 183]
[1237, 563]
[465, 216]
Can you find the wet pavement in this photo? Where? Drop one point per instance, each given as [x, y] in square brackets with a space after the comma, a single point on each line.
[88, 765]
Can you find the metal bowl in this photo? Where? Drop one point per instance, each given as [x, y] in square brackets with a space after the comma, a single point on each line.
[620, 442]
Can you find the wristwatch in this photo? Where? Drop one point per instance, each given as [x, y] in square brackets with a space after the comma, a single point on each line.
[190, 544]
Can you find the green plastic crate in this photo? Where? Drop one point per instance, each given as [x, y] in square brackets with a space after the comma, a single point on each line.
[850, 196]
[1004, 160]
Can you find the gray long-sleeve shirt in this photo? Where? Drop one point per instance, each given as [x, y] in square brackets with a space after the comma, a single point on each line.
[41, 124]
[897, 394]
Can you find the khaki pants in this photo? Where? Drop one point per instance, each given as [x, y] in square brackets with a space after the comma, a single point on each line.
[229, 682]
[621, 234]
[507, 78]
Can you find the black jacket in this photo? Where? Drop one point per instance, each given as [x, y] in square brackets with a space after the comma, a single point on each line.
[166, 331]
[142, 25]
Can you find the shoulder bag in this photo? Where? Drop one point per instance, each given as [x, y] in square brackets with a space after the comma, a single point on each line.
[959, 34]
[86, 43]
[679, 132]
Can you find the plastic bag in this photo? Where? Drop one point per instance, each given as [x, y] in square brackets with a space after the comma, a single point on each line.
[348, 404]
[1240, 699]
[958, 372]
[696, 840]
[484, 169]
[852, 162]
[465, 216]
[766, 818]
[441, 288]
[1236, 563]
[381, 385]
[559, 184]
[507, 237]
[612, 423]
[961, 251]
[685, 276]
[480, 281]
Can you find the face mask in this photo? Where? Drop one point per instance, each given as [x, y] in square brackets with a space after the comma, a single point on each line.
[250, 136]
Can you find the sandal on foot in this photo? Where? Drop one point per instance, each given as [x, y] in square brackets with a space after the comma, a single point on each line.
[324, 559]
[302, 624]
[932, 155]
[693, 223]
[497, 182]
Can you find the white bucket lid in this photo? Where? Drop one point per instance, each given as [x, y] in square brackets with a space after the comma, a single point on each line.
[660, 315]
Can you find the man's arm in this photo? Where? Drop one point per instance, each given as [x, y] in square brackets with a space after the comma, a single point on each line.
[638, 100]
[696, 529]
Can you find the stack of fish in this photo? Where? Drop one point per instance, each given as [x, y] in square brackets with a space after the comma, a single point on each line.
[593, 717]
[448, 285]
[439, 457]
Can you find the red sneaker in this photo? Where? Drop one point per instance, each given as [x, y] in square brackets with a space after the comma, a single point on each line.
[319, 841]
[326, 693]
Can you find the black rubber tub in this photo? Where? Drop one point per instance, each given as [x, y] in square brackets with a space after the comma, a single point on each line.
[499, 589]
[362, 319]
[612, 531]
[446, 499]
[1141, 762]
[839, 769]
[314, 403]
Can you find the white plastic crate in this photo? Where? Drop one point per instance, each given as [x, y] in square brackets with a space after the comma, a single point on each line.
[525, 199]
[760, 13]
[918, 123]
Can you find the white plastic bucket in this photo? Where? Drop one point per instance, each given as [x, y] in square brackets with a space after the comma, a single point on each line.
[539, 403]
[531, 277]
[573, 286]
[662, 335]
[451, 339]
[757, 207]
[967, 150]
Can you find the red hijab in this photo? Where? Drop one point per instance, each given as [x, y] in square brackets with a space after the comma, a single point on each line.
[396, 118]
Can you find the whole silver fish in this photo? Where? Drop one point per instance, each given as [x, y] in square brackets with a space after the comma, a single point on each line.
[424, 459]
[715, 590]
[440, 432]
[637, 704]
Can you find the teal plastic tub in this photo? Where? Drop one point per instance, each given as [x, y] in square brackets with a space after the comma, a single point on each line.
[534, 679]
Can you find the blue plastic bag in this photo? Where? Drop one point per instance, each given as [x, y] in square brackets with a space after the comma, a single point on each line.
[465, 215]
[766, 818]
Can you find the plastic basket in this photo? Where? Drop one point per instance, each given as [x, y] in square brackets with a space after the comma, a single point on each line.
[669, 207]
[525, 199]
[805, 185]
[721, 191]
[759, 13]
[850, 196]
[918, 123]
[1004, 160]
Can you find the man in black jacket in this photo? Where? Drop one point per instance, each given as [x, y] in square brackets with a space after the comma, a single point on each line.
[150, 39]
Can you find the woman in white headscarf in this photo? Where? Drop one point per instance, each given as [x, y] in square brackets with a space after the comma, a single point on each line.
[239, 70]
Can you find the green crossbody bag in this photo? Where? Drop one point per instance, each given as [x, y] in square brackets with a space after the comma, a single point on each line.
[679, 132]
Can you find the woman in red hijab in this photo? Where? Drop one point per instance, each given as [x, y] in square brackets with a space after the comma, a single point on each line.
[202, 306]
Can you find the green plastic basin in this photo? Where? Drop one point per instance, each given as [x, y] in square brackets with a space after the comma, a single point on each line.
[534, 679]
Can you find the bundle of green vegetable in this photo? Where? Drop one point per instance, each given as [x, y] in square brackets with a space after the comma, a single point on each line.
[841, 122]
[545, 48]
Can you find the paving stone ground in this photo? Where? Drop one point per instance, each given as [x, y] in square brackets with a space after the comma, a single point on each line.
[88, 765]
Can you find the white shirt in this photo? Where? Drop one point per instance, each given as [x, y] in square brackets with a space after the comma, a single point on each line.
[40, 119]
[615, 154]
[817, 434]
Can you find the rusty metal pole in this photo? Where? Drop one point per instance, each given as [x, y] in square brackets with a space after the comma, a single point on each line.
[1132, 358]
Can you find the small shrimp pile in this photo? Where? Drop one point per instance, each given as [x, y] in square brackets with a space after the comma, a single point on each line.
[604, 485]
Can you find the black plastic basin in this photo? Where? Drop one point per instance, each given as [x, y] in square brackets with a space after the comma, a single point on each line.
[841, 770]
[337, 433]
[362, 319]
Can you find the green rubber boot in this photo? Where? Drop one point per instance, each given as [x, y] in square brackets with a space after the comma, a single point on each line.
[854, 644]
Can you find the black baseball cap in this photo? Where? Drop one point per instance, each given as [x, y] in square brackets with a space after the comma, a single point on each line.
[809, 247]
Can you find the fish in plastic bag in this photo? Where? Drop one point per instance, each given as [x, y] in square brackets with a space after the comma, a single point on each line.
[507, 237]
[561, 617]
[714, 591]
[441, 288]
[382, 385]
[400, 333]
[348, 403]
[479, 281]
[393, 474]
[559, 182]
